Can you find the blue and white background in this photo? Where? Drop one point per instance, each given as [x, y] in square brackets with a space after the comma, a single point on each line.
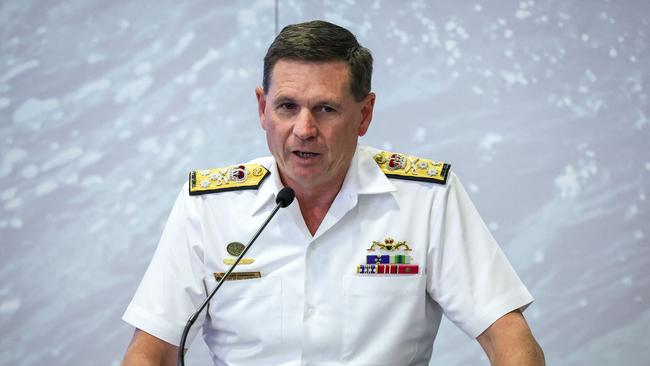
[540, 106]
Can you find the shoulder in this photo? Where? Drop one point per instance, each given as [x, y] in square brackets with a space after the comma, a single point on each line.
[229, 178]
[403, 166]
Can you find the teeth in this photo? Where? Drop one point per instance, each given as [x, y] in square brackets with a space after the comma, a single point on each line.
[305, 154]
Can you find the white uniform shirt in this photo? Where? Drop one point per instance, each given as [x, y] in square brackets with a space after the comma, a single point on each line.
[310, 307]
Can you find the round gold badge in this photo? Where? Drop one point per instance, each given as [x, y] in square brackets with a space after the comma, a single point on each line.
[235, 248]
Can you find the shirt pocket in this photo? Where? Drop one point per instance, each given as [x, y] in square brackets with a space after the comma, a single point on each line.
[245, 319]
[383, 319]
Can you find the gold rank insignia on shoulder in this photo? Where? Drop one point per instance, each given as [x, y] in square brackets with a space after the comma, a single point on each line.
[236, 177]
[402, 166]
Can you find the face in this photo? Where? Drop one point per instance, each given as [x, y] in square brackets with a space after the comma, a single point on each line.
[312, 121]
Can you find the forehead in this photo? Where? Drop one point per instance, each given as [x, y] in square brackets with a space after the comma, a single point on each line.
[293, 76]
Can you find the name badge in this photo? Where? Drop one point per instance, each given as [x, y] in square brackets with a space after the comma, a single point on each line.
[237, 276]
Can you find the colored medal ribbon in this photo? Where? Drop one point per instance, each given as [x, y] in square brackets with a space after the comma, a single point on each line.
[388, 268]
[388, 263]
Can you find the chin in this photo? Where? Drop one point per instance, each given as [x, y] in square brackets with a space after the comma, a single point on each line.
[305, 175]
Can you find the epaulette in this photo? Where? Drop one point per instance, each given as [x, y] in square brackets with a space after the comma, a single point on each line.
[236, 177]
[401, 166]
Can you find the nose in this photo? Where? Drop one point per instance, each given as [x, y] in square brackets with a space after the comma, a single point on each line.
[305, 127]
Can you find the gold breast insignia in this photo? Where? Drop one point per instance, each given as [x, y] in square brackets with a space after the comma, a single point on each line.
[389, 245]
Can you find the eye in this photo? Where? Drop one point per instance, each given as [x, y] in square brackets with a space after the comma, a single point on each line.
[327, 109]
[287, 106]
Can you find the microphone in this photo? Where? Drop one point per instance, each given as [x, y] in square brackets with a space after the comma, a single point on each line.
[283, 199]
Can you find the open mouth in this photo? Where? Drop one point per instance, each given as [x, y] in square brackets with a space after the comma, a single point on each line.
[305, 154]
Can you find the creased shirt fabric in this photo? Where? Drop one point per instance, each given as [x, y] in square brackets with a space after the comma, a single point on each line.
[310, 307]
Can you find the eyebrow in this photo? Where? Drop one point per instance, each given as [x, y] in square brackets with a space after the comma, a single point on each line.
[283, 99]
[330, 103]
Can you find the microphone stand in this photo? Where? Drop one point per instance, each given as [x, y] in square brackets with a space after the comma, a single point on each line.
[192, 319]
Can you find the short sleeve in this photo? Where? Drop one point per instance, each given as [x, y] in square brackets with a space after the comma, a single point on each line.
[468, 274]
[172, 288]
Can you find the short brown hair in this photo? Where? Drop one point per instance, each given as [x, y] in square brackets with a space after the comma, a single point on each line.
[321, 41]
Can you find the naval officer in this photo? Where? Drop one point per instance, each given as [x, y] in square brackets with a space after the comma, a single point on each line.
[358, 270]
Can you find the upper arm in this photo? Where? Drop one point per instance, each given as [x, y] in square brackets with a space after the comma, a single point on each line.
[174, 284]
[468, 274]
[146, 349]
[509, 341]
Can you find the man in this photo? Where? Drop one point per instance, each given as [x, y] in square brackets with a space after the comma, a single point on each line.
[358, 270]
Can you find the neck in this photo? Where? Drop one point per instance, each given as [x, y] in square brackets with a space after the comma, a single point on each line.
[314, 198]
[315, 203]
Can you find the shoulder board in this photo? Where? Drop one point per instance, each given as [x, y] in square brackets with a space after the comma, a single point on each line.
[236, 177]
[401, 166]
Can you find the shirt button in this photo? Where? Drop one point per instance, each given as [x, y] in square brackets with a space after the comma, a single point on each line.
[310, 311]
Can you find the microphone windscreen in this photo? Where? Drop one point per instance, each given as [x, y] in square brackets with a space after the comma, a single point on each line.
[285, 197]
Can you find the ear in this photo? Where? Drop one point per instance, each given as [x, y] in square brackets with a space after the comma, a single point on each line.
[368, 104]
[261, 105]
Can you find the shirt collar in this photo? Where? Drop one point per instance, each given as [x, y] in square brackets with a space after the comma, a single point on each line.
[371, 178]
[363, 177]
[270, 187]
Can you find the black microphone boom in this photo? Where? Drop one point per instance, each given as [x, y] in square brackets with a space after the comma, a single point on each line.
[284, 199]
